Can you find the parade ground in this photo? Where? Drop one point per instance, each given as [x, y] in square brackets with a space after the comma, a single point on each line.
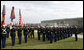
[68, 43]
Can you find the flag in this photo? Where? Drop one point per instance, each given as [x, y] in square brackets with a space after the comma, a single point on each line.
[12, 17]
[20, 20]
[12, 14]
[3, 16]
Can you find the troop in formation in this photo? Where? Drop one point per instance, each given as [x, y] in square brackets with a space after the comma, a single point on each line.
[57, 33]
[48, 33]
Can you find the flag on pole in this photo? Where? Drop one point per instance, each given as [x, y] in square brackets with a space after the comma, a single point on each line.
[12, 17]
[20, 20]
[3, 16]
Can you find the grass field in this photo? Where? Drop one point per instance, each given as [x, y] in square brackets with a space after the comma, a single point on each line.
[67, 43]
[81, 33]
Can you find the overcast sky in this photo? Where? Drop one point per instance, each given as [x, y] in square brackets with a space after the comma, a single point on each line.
[37, 11]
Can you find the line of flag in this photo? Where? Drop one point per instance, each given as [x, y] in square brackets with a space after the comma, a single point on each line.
[12, 17]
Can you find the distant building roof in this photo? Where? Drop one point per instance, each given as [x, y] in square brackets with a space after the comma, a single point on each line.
[63, 19]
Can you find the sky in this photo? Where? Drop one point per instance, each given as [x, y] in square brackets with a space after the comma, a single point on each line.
[37, 11]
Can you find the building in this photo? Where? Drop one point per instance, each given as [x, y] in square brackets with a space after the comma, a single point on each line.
[63, 22]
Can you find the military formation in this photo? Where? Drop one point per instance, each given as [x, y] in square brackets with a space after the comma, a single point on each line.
[57, 33]
[52, 34]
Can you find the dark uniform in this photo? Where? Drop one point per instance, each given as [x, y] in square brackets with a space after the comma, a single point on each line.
[76, 38]
[43, 34]
[51, 35]
[3, 37]
[8, 30]
[28, 30]
[19, 35]
[12, 34]
[25, 34]
[48, 33]
[64, 33]
[32, 32]
[39, 31]
[55, 34]
[58, 34]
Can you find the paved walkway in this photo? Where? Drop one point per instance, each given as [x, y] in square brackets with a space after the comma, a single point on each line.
[79, 36]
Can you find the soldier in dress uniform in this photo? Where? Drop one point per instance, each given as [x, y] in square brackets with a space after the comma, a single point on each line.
[32, 32]
[76, 32]
[64, 32]
[48, 33]
[3, 36]
[19, 34]
[25, 34]
[43, 34]
[28, 30]
[55, 33]
[46, 30]
[39, 31]
[58, 34]
[51, 35]
[13, 34]
[67, 32]
[8, 31]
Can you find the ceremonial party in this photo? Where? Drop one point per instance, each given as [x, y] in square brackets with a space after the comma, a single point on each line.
[52, 31]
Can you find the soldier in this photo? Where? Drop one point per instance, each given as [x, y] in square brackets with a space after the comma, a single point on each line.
[3, 33]
[58, 34]
[32, 32]
[67, 30]
[64, 33]
[39, 31]
[71, 29]
[12, 34]
[25, 34]
[55, 33]
[8, 30]
[43, 34]
[19, 34]
[51, 36]
[48, 33]
[75, 29]
[61, 33]
[28, 30]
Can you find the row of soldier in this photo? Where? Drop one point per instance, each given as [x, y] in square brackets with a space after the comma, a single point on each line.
[56, 33]
[51, 33]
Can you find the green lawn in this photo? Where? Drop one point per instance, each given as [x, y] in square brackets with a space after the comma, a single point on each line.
[81, 33]
[67, 43]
